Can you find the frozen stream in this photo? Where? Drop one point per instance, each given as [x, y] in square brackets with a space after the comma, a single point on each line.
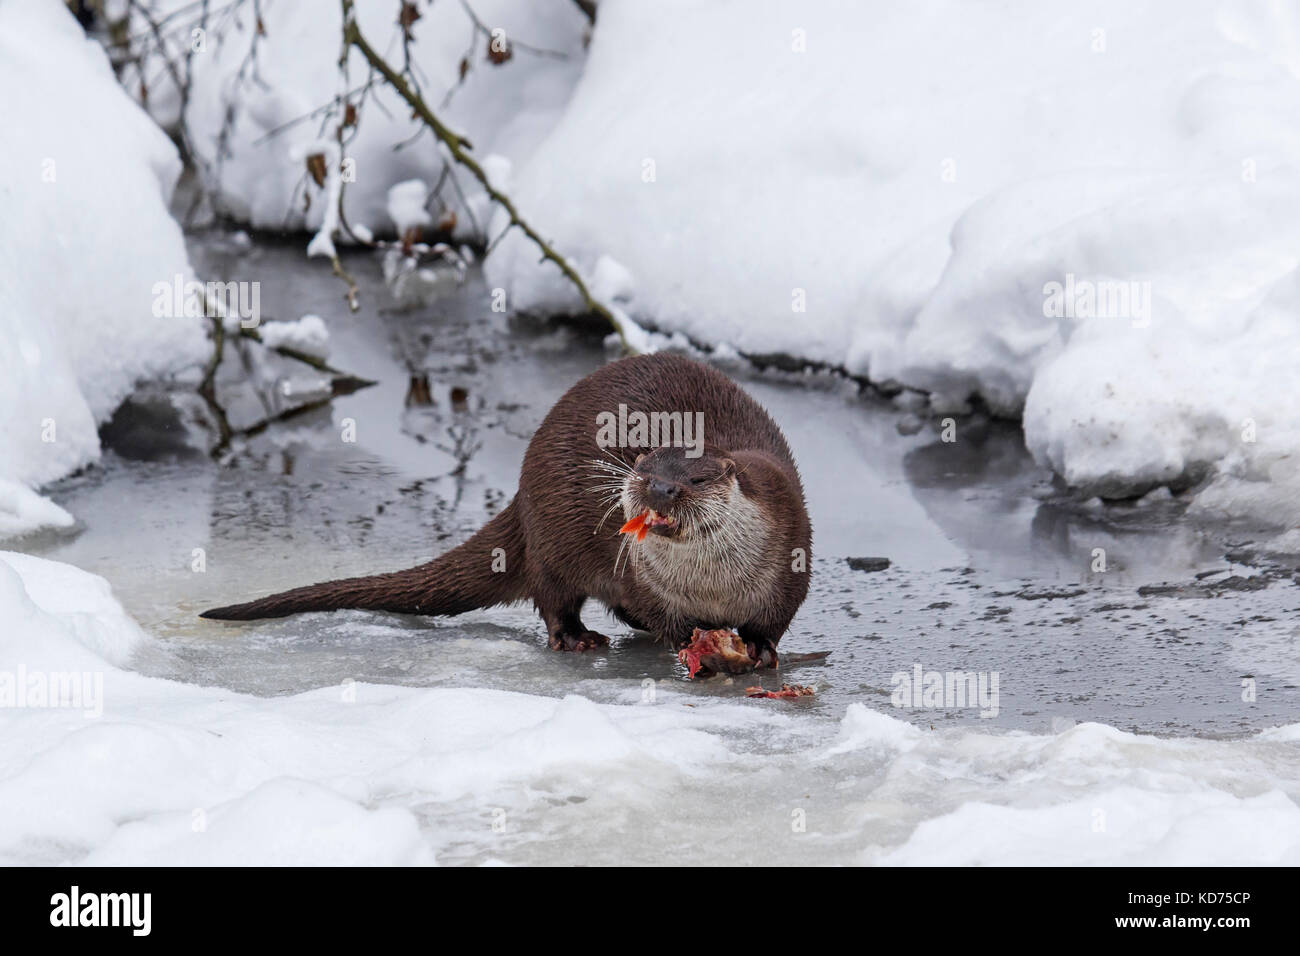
[991, 571]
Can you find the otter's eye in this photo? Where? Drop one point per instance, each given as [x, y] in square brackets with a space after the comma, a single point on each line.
[701, 480]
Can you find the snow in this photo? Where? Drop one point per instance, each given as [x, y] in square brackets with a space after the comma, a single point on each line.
[85, 235]
[272, 107]
[60, 617]
[1123, 410]
[322, 244]
[366, 774]
[894, 191]
[1143, 829]
[307, 334]
[23, 511]
[406, 202]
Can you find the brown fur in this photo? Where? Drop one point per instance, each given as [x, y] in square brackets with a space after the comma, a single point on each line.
[741, 506]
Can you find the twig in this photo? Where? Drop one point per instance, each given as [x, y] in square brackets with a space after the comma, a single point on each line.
[484, 29]
[306, 358]
[208, 386]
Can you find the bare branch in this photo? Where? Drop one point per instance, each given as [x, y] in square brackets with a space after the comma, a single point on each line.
[459, 148]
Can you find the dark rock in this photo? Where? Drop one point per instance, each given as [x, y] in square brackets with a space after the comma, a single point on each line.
[868, 564]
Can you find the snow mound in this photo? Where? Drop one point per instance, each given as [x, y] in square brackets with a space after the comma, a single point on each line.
[290, 822]
[85, 236]
[23, 510]
[864, 729]
[308, 334]
[1119, 826]
[60, 618]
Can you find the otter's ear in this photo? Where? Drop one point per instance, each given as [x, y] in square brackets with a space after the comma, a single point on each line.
[728, 467]
[639, 459]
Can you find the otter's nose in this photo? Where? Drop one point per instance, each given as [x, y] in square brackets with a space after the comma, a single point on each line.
[662, 492]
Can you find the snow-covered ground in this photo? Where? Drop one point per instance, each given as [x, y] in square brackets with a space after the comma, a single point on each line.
[136, 769]
[85, 235]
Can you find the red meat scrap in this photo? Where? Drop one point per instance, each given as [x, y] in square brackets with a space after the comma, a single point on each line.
[716, 652]
[787, 692]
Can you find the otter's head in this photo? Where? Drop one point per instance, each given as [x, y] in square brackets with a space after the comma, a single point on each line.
[684, 499]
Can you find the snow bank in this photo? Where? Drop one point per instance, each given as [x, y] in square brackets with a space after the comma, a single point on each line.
[899, 191]
[1134, 828]
[61, 618]
[253, 125]
[377, 775]
[1091, 795]
[84, 236]
[23, 510]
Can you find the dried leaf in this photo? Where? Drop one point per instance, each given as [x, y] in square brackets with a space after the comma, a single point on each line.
[406, 19]
[410, 238]
[316, 167]
[499, 51]
[418, 393]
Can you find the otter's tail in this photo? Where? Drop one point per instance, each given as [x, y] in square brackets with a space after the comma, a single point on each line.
[487, 569]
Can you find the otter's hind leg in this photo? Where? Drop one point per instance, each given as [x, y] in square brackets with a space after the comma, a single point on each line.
[564, 628]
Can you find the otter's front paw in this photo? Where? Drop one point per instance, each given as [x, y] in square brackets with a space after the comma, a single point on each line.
[577, 641]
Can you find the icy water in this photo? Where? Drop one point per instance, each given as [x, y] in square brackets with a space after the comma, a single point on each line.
[991, 570]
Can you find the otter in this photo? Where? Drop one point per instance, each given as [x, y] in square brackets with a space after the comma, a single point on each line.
[722, 537]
